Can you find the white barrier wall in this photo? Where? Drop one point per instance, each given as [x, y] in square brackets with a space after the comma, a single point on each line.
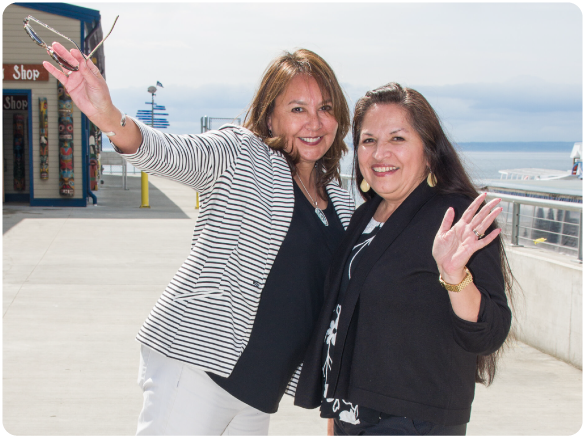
[549, 309]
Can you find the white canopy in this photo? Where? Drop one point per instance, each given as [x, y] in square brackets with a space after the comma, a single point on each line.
[577, 151]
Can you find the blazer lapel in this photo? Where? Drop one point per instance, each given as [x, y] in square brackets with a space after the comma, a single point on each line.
[393, 227]
[356, 227]
[342, 203]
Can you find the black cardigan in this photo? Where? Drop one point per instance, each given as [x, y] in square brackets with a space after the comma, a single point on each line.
[413, 356]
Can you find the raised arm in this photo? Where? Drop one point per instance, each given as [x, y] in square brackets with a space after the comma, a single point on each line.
[91, 95]
[454, 246]
[481, 315]
[194, 160]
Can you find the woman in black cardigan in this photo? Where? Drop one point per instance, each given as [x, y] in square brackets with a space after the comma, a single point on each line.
[416, 306]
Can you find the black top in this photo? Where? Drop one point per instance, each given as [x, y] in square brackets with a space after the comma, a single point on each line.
[412, 355]
[290, 304]
[345, 410]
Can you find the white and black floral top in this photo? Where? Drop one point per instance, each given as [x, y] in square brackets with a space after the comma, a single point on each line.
[333, 407]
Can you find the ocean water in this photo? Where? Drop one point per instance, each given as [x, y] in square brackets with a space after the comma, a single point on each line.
[486, 164]
[484, 160]
[482, 164]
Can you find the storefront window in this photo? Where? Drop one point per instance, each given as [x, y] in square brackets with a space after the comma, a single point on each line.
[15, 147]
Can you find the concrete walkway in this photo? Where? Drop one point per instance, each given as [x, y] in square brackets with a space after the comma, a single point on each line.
[78, 283]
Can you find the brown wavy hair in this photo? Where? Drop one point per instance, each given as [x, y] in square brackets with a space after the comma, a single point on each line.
[276, 78]
[444, 162]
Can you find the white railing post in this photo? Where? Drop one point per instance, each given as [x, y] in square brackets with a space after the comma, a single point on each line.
[515, 223]
[580, 237]
[124, 174]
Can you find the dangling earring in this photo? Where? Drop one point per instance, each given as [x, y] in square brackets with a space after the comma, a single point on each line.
[431, 179]
[270, 133]
[364, 186]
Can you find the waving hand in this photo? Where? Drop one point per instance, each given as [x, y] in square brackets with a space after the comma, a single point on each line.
[455, 244]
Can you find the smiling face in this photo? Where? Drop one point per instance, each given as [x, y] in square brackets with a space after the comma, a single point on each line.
[305, 118]
[391, 153]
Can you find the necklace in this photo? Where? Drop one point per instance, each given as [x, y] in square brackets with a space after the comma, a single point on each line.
[317, 209]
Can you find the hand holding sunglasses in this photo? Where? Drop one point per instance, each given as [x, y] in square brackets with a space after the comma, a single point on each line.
[62, 62]
[88, 89]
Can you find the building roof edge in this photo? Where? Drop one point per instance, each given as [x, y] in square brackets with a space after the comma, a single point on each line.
[65, 10]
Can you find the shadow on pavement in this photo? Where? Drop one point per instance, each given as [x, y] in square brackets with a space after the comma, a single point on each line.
[113, 203]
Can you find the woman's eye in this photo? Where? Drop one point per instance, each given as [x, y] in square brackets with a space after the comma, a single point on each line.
[297, 109]
[397, 139]
[326, 108]
[368, 140]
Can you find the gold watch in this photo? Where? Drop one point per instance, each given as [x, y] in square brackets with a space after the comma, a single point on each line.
[458, 287]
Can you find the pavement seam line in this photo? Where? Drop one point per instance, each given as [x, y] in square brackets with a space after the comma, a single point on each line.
[40, 259]
[11, 302]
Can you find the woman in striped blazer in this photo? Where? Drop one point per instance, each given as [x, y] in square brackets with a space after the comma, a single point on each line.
[227, 337]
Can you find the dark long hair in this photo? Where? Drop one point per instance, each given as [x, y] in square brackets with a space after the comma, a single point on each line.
[443, 162]
[277, 76]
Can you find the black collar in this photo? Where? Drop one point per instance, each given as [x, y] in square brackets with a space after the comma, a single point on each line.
[392, 228]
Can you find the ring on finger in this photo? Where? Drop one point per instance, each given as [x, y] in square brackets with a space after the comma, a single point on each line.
[479, 235]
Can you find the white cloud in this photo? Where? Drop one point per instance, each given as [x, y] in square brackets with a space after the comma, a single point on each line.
[462, 56]
[525, 94]
[367, 43]
[531, 111]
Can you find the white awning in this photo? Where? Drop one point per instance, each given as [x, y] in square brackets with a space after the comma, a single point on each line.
[577, 151]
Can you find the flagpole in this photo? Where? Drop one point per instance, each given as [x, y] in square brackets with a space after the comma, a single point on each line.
[154, 123]
[144, 196]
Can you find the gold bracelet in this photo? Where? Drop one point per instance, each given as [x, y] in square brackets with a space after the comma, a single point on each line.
[457, 287]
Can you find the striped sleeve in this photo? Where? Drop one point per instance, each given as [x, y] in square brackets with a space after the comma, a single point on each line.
[291, 388]
[194, 160]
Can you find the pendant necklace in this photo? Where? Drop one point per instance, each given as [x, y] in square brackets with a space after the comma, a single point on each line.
[317, 209]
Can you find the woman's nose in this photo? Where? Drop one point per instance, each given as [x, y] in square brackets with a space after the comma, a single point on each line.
[380, 152]
[314, 122]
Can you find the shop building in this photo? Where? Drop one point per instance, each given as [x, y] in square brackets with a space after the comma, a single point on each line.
[50, 149]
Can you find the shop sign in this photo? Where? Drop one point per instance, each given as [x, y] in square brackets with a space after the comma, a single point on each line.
[24, 72]
[15, 102]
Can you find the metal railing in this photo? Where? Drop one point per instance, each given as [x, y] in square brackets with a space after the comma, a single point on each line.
[552, 225]
[531, 222]
[113, 159]
[210, 123]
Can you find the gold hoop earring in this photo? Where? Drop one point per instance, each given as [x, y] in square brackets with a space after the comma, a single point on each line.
[431, 179]
[364, 186]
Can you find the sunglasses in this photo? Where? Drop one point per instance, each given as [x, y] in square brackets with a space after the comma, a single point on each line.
[58, 59]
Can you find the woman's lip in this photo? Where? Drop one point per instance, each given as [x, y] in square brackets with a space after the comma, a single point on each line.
[311, 143]
[384, 170]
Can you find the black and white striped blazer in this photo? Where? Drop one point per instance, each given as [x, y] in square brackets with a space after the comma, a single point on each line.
[206, 313]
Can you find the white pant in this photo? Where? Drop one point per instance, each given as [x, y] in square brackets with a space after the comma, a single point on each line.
[180, 399]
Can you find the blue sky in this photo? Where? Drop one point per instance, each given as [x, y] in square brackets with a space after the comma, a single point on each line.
[493, 71]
